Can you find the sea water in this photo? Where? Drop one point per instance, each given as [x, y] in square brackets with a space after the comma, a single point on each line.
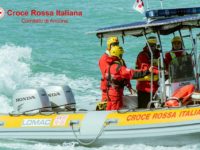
[41, 54]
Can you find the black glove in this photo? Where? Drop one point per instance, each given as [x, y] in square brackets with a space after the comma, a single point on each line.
[140, 74]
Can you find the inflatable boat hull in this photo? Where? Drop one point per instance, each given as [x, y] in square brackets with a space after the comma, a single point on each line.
[164, 126]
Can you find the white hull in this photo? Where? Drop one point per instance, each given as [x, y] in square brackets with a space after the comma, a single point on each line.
[89, 125]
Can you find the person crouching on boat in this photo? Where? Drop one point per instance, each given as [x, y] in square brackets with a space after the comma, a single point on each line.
[177, 51]
[144, 62]
[112, 41]
[117, 76]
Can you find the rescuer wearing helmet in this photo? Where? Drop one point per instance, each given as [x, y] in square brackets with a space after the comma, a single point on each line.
[112, 41]
[144, 62]
[177, 51]
[117, 75]
[178, 68]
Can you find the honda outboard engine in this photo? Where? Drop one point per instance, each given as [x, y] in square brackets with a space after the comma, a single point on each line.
[27, 100]
[61, 98]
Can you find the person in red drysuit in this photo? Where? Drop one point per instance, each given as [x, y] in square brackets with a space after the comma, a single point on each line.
[117, 75]
[112, 41]
[177, 51]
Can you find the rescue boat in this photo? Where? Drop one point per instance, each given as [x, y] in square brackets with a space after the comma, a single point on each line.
[50, 113]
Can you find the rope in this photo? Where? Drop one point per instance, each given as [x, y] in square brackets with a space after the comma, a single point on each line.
[15, 114]
[47, 113]
[123, 112]
[27, 113]
[90, 142]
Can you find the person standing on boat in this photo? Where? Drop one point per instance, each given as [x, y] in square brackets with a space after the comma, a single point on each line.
[144, 62]
[117, 76]
[177, 51]
[112, 41]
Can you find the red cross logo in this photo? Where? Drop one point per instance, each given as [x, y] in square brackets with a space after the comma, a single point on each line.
[1, 12]
[140, 6]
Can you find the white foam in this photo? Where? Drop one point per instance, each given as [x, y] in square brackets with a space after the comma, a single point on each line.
[5, 107]
[146, 147]
[16, 74]
[85, 89]
[24, 145]
[14, 70]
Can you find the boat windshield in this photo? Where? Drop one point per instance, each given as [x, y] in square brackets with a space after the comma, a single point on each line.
[181, 69]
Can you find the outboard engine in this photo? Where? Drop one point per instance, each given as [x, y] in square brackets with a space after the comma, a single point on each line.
[27, 100]
[61, 98]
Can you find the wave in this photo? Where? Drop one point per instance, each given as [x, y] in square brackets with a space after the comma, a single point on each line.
[35, 145]
[85, 89]
[146, 147]
[16, 73]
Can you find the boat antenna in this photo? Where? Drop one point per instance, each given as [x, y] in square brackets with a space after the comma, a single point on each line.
[101, 36]
[123, 39]
[101, 41]
[161, 3]
[147, 4]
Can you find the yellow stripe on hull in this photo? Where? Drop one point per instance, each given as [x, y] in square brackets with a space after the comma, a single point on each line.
[47, 121]
[156, 116]
[124, 119]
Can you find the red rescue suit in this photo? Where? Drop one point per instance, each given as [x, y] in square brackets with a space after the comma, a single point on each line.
[118, 76]
[144, 62]
[103, 64]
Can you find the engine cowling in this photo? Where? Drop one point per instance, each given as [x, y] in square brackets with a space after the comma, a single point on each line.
[26, 100]
[61, 97]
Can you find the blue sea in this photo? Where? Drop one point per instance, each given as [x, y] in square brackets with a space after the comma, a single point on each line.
[40, 54]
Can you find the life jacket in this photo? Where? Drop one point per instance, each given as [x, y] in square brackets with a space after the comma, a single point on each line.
[144, 62]
[148, 78]
[174, 57]
[115, 80]
[103, 65]
[180, 96]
